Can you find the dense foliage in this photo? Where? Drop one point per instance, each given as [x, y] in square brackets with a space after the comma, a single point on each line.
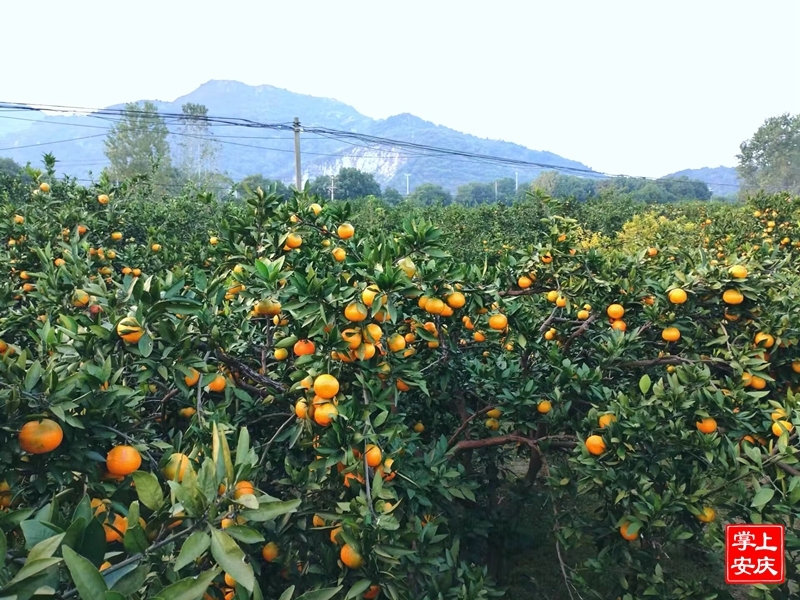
[257, 400]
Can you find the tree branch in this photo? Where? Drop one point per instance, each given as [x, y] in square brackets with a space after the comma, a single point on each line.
[250, 373]
[466, 423]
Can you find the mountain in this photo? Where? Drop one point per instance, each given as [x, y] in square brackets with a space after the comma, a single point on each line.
[722, 181]
[25, 136]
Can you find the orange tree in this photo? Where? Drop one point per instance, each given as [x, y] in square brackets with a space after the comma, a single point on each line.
[372, 388]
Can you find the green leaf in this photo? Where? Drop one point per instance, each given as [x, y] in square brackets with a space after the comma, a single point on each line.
[231, 558]
[131, 582]
[37, 531]
[148, 489]
[268, 511]
[645, 383]
[32, 567]
[114, 596]
[33, 376]
[146, 345]
[3, 549]
[221, 455]
[325, 594]
[45, 548]
[287, 594]
[190, 588]
[192, 549]
[87, 579]
[763, 496]
[358, 588]
[244, 534]
[243, 447]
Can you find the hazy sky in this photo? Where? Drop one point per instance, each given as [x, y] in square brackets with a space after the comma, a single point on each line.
[625, 86]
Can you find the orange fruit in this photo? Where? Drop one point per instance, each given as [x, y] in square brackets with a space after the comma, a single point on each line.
[732, 297]
[492, 424]
[130, 330]
[708, 515]
[188, 412]
[355, 311]
[116, 236]
[374, 455]
[652, 251]
[301, 409]
[5, 494]
[304, 347]
[242, 488]
[456, 300]
[315, 208]
[116, 529]
[268, 307]
[778, 427]
[123, 460]
[402, 385]
[345, 231]
[270, 551]
[419, 427]
[738, 272]
[707, 425]
[524, 282]
[619, 325]
[44, 187]
[495, 413]
[434, 306]
[339, 254]
[583, 315]
[350, 557]
[623, 530]
[606, 420]
[615, 311]
[155, 247]
[324, 414]
[218, 384]
[369, 294]
[372, 592]
[677, 296]
[595, 445]
[230, 581]
[40, 437]
[176, 467]
[294, 241]
[478, 336]
[192, 379]
[498, 322]
[397, 342]
[671, 334]
[561, 301]
[544, 407]
[326, 386]
[318, 521]
[333, 534]
[757, 382]
[767, 339]
[102, 199]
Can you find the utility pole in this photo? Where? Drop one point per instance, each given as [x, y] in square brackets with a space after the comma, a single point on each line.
[495, 191]
[298, 174]
[407, 188]
[332, 186]
[516, 181]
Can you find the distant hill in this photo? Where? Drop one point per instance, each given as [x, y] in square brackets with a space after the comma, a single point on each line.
[35, 133]
[722, 181]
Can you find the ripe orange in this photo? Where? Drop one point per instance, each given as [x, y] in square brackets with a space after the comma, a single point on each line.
[419, 427]
[795, 365]
[552, 295]
[315, 208]
[230, 581]
[738, 271]
[339, 254]
[434, 306]
[304, 347]
[623, 530]
[369, 294]
[373, 333]
[561, 301]
[595, 445]
[652, 251]
[355, 311]
[544, 407]
[547, 259]
[583, 315]
[778, 427]
[402, 385]
[176, 467]
[40, 437]
[242, 488]
[5, 494]
[495, 413]
[396, 342]
[326, 386]
[268, 307]
[708, 515]
[318, 521]
[678, 296]
[492, 424]
[732, 297]
[44, 187]
[130, 330]
[345, 231]
[671, 334]
[192, 379]
[123, 460]
[757, 382]
[606, 420]
[456, 300]
[374, 455]
[188, 412]
[218, 384]
[619, 325]
[372, 592]
[707, 425]
[270, 551]
[767, 339]
[524, 282]
[324, 414]
[615, 311]
[19, 219]
[294, 241]
[301, 409]
[156, 247]
[116, 529]
[498, 322]
[350, 557]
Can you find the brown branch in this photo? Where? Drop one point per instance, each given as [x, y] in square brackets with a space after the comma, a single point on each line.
[548, 321]
[499, 440]
[790, 470]
[580, 331]
[250, 373]
[466, 423]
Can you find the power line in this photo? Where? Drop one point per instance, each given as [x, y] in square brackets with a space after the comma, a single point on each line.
[417, 150]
